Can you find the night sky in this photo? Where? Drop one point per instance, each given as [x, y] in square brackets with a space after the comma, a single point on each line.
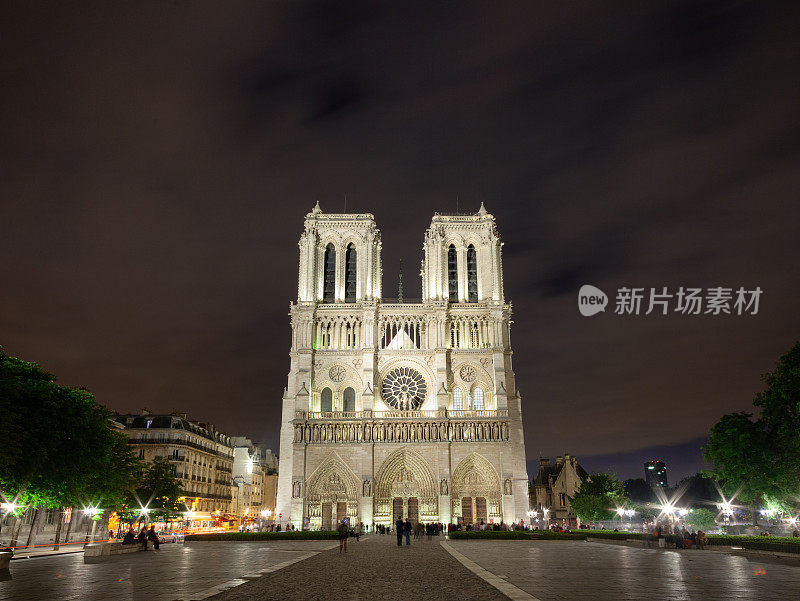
[158, 160]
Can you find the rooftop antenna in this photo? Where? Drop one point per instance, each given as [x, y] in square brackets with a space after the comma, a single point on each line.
[400, 284]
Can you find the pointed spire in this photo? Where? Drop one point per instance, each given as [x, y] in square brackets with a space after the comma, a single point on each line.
[400, 284]
[316, 209]
[482, 211]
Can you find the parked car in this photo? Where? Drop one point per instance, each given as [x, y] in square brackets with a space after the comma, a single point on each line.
[170, 537]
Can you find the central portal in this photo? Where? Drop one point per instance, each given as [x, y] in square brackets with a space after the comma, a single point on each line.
[404, 487]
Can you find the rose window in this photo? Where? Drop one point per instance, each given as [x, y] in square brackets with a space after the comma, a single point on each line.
[404, 388]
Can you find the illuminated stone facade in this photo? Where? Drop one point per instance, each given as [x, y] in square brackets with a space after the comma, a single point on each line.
[400, 408]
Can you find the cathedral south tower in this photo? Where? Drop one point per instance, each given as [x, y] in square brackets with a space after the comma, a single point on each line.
[400, 409]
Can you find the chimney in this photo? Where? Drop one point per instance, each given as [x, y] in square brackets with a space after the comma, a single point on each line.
[544, 462]
[559, 460]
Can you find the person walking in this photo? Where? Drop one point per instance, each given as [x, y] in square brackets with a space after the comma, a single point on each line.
[153, 537]
[344, 532]
[398, 526]
[407, 531]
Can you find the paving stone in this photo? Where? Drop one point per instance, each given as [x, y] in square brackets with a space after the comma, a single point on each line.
[555, 570]
[375, 568]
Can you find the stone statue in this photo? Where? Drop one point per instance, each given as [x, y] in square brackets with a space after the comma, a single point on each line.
[443, 487]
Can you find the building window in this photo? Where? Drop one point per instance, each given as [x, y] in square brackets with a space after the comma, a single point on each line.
[452, 274]
[562, 499]
[458, 399]
[349, 399]
[141, 453]
[326, 400]
[329, 281]
[149, 423]
[477, 399]
[350, 274]
[472, 275]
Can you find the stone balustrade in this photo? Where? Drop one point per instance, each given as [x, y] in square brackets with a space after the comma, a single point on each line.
[373, 427]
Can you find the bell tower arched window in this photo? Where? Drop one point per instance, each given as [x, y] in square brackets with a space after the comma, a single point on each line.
[452, 275]
[349, 399]
[350, 274]
[329, 279]
[326, 400]
[472, 275]
[458, 399]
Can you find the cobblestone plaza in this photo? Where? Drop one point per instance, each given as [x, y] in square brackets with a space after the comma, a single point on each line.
[376, 568]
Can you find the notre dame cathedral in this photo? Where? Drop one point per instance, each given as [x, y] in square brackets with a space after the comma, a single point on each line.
[400, 408]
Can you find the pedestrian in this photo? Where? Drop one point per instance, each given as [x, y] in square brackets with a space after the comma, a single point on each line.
[359, 531]
[407, 531]
[398, 526]
[153, 537]
[344, 532]
[142, 538]
[702, 541]
[678, 538]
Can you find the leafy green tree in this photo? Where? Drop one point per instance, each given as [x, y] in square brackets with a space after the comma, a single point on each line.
[638, 490]
[697, 490]
[58, 445]
[598, 497]
[158, 490]
[759, 458]
[701, 518]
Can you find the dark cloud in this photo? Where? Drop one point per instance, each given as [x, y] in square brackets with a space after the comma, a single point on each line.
[158, 162]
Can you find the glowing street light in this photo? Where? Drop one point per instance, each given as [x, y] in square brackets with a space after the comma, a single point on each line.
[9, 506]
[683, 512]
[620, 511]
[629, 513]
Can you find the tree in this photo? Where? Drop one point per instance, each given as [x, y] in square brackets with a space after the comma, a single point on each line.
[598, 497]
[638, 490]
[701, 518]
[158, 490]
[760, 458]
[697, 490]
[58, 447]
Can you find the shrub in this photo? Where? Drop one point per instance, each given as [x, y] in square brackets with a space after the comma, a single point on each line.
[490, 534]
[259, 536]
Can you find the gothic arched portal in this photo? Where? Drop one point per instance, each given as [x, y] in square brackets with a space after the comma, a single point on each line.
[405, 477]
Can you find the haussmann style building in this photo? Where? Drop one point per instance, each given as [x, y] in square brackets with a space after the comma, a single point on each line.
[400, 408]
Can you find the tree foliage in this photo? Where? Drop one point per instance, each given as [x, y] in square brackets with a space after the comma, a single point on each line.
[701, 518]
[598, 497]
[58, 446]
[638, 490]
[158, 490]
[760, 457]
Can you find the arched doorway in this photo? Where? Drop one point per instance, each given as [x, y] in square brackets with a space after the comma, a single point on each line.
[476, 491]
[331, 494]
[404, 483]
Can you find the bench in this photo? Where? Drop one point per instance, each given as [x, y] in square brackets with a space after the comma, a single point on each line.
[107, 549]
[5, 560]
